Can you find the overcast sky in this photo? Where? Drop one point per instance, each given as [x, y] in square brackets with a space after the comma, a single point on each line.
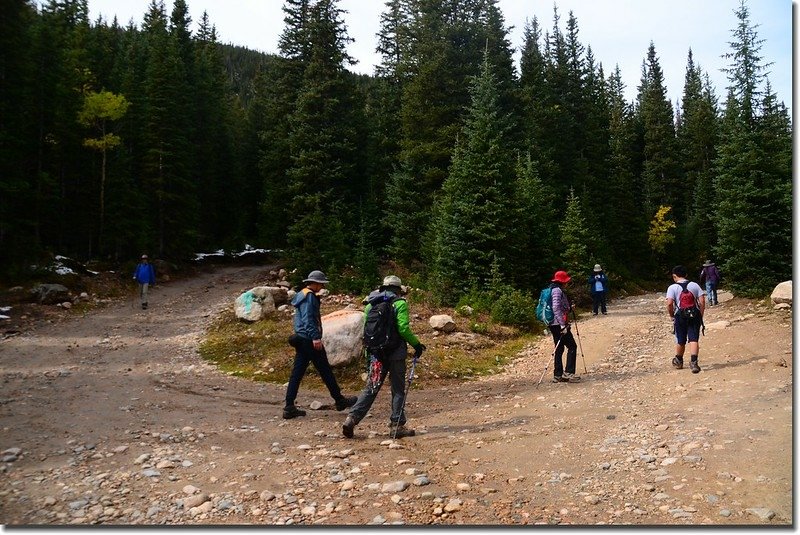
[618, 31]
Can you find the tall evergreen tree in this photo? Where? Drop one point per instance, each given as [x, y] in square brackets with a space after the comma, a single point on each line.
[697, 137]
[324, 179]
[660, 174]
[753, 173]
[472, 227]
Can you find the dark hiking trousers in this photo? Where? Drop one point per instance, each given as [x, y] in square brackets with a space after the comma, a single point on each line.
[396, 370]
[598, 301]
[568, 341]
[306, 354]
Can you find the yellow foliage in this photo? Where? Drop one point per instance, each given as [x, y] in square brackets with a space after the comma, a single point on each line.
[661, 227]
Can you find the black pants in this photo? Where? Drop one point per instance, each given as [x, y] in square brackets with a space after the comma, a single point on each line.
[598, 301]
[572, 351]
[306, 354]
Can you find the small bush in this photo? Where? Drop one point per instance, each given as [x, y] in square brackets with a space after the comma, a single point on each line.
[479, 328]
[516, 309]
[478, 300]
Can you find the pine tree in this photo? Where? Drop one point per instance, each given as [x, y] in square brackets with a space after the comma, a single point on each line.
[660, 174]
[697, 137]
[626, 225]
[753, 173]
[575, 237]
[324, 181]
[472, 226]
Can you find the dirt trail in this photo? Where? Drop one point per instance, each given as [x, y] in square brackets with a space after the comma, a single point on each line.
[113, 418]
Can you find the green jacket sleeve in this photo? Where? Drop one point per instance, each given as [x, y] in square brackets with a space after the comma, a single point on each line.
[403, 326]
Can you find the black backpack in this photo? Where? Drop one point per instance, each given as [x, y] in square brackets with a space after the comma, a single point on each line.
[380, 328]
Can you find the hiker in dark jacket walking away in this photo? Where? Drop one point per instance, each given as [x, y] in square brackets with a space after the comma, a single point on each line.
[561, 331]
[391, 362]
[145, 275]
[309, 348]
[598, 287]
[685, 328]
[710, 275]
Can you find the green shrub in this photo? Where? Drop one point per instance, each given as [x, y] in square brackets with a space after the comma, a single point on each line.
[479, 328]
[478, 300]
[516, 309]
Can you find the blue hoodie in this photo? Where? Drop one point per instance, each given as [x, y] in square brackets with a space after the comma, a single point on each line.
[307, 321]
[145, 274]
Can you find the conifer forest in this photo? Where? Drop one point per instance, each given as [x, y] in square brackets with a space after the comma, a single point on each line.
[452, 162]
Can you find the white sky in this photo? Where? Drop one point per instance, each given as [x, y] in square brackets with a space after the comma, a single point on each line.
[618, 31]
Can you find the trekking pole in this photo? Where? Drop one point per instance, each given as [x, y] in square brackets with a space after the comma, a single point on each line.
[547, 364]
[405, 396]
[579, 341]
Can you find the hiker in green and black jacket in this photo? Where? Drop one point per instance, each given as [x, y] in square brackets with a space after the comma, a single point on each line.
[392, 362]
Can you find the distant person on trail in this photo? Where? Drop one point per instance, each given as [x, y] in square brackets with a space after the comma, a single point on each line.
[686, 304]
[389, 359]
[145, 275]
[598, 286]
[309, 348]
[710, 275]
[561, 331]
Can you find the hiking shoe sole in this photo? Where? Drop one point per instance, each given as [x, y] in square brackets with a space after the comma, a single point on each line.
[677, 363]
[560, 379]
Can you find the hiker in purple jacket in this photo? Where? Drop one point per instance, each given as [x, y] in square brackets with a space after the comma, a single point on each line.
[710, 276]
[560, 329]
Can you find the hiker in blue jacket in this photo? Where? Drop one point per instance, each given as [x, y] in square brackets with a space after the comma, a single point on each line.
[598, 287]
[561, 331]
[309, 348]
[145, 275]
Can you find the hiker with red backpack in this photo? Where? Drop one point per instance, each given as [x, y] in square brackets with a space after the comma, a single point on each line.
[561, 331]
[686, 304]
[387, 332]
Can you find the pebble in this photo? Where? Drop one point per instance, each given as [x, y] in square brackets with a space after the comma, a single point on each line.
[421, 481]
[453, 505]
[394, 486]
[190, 489]
[591, 499]
[194, 501]
[725, 512]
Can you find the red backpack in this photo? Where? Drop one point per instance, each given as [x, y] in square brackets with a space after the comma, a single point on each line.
[687, 304]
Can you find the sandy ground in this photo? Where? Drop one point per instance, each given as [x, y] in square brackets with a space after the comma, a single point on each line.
[112, 418]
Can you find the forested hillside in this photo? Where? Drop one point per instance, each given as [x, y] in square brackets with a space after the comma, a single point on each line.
[468, 171]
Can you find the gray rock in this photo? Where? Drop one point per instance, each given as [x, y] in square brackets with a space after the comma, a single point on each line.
[194, 501]
[421, 481]
[761, 512]
[394, 486]
[50, 294]
[150, 472]
[342, 333]
[725, 512]
[442, 322]
[782, 293]
[78, 504]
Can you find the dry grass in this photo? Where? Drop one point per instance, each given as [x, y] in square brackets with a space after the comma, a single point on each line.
[259, 351]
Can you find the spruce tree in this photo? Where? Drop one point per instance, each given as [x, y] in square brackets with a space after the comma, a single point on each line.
[575, 253]
[323, 177]
[472, 226]
[753, 173]
[660, 173]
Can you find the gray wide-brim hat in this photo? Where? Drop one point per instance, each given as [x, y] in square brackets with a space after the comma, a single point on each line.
[391, 281]
[597, 268]
[316, 276]
[708, 263]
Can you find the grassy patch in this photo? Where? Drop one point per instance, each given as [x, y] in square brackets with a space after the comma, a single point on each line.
[259, 351]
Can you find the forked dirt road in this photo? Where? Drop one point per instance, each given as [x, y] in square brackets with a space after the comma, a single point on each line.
[112, 418]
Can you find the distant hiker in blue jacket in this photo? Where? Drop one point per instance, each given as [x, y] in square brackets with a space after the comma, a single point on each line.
[309, 348]
[145, 275]
[598, 286]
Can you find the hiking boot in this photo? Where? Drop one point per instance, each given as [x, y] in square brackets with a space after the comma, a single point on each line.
[694, 366]
[559, 379]
[401, 431]
[346, 402]
[292, 412]
[571, 378]
[348, 426]
[677, 362]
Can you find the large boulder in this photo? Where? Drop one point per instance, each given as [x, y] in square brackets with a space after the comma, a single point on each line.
[251, 307]
[279, 296]
[782, 293]
[342, 333]
[50, 294]
[442, 322]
